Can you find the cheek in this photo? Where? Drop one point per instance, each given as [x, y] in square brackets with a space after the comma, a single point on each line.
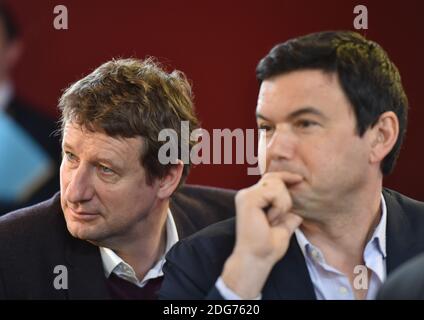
[315, 155]
[338, 160]
[321, 162]
[64, 178]
[63, 186]
[123, 196]
[124, 207]
[141, 196]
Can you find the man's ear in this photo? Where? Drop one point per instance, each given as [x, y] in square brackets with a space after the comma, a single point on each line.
[384, 136]
[169, 183]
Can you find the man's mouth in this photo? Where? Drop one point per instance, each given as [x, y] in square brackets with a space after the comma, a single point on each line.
[83, 215]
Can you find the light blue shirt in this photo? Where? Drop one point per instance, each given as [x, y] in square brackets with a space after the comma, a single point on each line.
[328, 282]
[331, 284]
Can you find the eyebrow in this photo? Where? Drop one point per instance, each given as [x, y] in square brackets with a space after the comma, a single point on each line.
[99, 160]
[297, 113]
[65, 145]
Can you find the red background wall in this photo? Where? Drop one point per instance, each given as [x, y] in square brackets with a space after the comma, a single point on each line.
[217, 44]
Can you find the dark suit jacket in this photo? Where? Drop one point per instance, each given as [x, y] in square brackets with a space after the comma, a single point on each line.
[34, 240]
[194, 264]
[41, 129]
[406, 282]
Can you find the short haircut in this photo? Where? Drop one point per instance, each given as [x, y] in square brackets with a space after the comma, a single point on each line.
[369, 79]
[129, 98]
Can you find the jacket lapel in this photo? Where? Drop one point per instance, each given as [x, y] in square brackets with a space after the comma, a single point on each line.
[86, 275]
[400, 240]
[290, 278]
[184, 226]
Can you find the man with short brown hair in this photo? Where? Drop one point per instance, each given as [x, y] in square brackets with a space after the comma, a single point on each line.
[106, 234]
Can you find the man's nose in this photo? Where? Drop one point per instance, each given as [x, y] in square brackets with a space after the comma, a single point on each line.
[282, 145]
[80, 187]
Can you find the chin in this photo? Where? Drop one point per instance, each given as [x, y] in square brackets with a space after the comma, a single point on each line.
[80, 231]
[299, 205]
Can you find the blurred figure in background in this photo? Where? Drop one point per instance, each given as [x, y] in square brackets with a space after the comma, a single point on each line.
[29, 153]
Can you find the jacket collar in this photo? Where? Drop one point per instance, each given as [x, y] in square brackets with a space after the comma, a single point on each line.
[289, 279]
[400, 240]
[86, 279]
[185, 226]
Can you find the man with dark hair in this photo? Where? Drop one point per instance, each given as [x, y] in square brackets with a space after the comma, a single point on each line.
[318, 224]
[118, 212]
[30, 154]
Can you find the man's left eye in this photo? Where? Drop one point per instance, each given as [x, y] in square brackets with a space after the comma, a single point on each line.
[306, 123]
[106, 170]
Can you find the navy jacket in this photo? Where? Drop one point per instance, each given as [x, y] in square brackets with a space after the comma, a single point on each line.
[194, 264]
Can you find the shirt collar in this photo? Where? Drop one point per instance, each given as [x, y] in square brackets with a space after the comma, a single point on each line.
[6, 92]
[113, 263]
[379, 235]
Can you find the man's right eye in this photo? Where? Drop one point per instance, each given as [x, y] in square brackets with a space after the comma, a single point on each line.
[70, 156]
[264, 127]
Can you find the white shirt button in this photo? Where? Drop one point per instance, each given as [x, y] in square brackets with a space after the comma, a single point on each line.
[316, 255]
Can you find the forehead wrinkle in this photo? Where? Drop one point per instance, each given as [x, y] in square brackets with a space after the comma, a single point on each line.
[99, 144]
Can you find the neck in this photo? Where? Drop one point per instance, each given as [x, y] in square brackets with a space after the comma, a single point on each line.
[343, 235]
[148, 243]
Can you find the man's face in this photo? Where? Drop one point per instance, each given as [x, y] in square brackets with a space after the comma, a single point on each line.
[104, 194]
[311, 130]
